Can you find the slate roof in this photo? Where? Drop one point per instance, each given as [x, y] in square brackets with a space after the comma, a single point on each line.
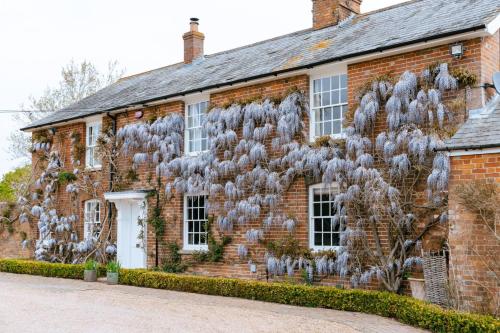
[479, 131]
[399, 25]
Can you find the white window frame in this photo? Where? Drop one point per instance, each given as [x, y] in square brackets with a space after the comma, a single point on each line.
[335, 189]
[322, 73]
[186, 245]
[190, 102]
[90, 147]
[89, 224]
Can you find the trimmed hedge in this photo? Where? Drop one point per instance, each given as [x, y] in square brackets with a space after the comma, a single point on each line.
[402, 308]
[41, 268]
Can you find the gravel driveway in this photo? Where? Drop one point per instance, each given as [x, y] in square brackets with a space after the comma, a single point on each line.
[38, 304]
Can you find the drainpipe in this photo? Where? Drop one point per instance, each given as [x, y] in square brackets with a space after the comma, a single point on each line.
[111, 166]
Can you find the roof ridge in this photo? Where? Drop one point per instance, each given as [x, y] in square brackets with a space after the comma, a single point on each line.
[148, 71]
[298, 32]
[383, 9]
[218, 53]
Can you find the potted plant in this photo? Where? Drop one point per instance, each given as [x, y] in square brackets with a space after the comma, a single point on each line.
[113, 269]
[90, 272]
[417, 286]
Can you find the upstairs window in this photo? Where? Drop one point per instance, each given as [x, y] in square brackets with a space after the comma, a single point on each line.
[196, 135]
[324, 234]
[92, 219]
[195, 222]
[91, 158]
[329, 105]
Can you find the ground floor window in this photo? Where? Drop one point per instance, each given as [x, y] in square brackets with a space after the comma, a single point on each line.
[92, 220]
[195, 222]
[324, 234]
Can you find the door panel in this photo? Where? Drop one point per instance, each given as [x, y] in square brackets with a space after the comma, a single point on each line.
[130, 251]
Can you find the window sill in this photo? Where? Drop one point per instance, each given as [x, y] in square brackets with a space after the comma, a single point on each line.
[326, 248]
[192, 251]
[341, 136]
[95, 168]
[194, 154]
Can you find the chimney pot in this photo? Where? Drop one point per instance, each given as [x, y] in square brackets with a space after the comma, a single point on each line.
[194, 23]
[193, 42]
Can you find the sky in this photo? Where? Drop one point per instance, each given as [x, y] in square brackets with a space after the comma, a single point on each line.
[38, 37]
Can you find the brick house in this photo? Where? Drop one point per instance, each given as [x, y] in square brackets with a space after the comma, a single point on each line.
[341, 52]
[474, 245]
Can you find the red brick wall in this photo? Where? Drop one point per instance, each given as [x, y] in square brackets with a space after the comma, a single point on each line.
[474, 249]
[490, 59]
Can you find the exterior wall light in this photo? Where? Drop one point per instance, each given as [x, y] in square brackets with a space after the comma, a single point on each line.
[138, 114]
[457, 50]
[52, 131]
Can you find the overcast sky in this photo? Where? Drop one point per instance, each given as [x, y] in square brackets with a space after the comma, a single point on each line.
[38, 37]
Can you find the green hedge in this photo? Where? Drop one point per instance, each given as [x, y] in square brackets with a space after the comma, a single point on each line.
[45, 269]
[404, 309]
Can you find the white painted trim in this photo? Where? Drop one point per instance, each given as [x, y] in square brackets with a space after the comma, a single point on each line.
[474, 152]
[197, 98]
[91, 122]
[85, 213]
[97, 119]
[494, 25]
[311, 214]
[194, 99]
[185, 245]
[122, 201]
[374, 55]
[320, 73]
[128, 195]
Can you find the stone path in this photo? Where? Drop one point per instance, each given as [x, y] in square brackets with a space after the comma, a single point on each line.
[38, 304]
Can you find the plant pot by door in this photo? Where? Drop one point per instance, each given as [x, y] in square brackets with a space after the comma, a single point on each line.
[90, 275]
[112, 278]
[417, 288]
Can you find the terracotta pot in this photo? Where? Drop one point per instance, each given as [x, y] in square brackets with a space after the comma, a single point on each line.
[112, 278]
[90, 275]
[417, 288]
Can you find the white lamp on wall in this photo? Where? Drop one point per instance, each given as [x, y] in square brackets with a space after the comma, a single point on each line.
[457, 50]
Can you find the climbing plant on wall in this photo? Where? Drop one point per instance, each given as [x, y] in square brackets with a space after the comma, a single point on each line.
[58, 237]
[258, 149]
[381, 174]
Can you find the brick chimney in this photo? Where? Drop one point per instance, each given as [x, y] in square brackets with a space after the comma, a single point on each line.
[330, 12]
[193, 42]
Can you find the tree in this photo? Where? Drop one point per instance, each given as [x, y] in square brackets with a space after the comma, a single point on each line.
[78, 80]
[11, 184]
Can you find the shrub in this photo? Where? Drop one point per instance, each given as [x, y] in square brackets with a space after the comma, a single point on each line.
[66, 177]
[41, 268]
[402, 308]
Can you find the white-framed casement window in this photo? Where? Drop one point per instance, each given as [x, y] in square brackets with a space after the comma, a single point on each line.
[196, 138]
[328, 105]
[323, 233]
[91, 158]
[92, 219]
[195, 222]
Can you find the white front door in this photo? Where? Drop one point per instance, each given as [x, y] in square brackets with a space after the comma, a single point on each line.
[131, 231]
[131, 251]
